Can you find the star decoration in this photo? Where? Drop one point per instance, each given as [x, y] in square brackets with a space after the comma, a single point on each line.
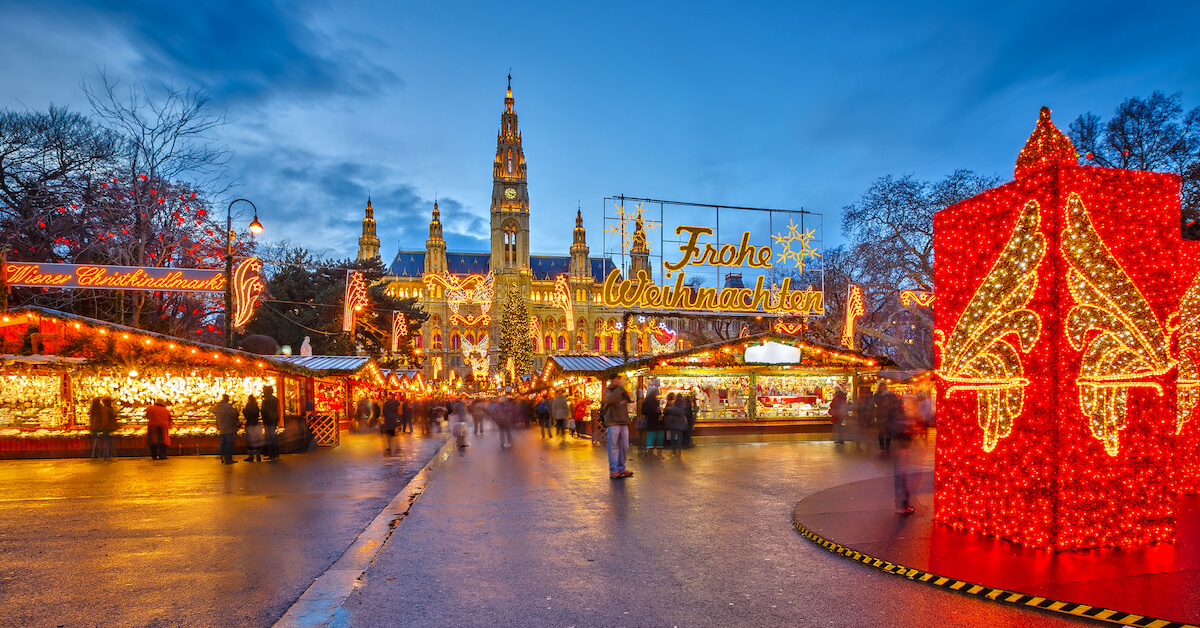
[795, 235]
[622, 229]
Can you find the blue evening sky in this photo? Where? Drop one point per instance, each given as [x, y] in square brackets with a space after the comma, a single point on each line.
[782, 105]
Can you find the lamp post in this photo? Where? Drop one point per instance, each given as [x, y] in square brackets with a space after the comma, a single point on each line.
[255, 228]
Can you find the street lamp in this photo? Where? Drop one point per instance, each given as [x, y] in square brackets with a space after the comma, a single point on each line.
[255, 228]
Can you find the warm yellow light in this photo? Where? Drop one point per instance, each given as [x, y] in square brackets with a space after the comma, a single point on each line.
[193, 350]
[170, 346]
[76, 325]
[256, 226]
[104, 331]
[125, 336]
[147, 341]
[133, 373]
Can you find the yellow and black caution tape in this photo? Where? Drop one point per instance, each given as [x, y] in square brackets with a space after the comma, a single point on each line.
[999, 595]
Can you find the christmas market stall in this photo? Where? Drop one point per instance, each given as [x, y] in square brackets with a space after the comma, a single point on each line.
[580, 377]
[335, 385]
[53, 365]
[765, 384]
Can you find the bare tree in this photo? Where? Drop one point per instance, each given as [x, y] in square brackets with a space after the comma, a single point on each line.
[1146, 134]
[166, 138]
[891, 233]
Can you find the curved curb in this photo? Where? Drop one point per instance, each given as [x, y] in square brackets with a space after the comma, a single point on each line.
[1003, 596]
[319, 604]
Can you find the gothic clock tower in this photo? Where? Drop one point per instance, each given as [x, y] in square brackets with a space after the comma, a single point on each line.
[510, 199]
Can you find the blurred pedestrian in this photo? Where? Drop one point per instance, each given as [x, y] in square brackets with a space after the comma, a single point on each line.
[158, 429]
[542, 412]
[652, 413]
[559, 411]
[901, 426]
[882, 403]
[391, 419]
[254, 429]
[376, 413]
[579, 413]
[478, 415]
[362, 414]
[691, 408]
[98, 425]
[675, 420]
[839, 412]
[503, 417]
[614, 412]
[406, 414]
[458, 424]
[108, 428]
[270, 419]
[227, 428]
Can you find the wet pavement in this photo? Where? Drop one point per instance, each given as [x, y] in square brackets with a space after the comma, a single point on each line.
[540, 536]
[186, 541]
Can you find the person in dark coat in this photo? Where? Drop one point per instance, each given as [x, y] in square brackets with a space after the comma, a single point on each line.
[654, 425]
[270, 419]
[391, 419]
[376, 413]
[158, 429]
[675, 420]
[690, 409]
[227, 427]
[839, 413]
[406, 415]
[254, 430]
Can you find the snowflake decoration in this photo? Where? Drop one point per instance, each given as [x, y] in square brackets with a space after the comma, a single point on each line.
[622, 230]
[795, 235]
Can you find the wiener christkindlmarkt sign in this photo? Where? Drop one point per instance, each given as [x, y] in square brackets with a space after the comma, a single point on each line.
[792, 251]
[36, 275]
[1068, 345]
[247, 280]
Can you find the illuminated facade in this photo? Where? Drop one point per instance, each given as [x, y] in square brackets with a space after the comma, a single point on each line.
[462, 292]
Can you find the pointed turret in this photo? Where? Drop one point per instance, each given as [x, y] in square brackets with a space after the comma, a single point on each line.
[510, 196]
[580, 268]
[1046, 146]
[639, 253]
[368, 244]
[435, 246]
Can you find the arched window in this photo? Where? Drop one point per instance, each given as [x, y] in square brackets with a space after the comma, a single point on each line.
[420, 342]
[580, 342]
[596, 343]
[608, 344]
[562, 343]
[455, 341]
[437, 341]
[549, 342]
[470, 337]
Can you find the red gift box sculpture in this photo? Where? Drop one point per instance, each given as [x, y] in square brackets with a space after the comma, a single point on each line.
[1068, 347]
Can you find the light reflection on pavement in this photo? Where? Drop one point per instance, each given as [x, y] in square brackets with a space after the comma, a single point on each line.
[186, 541]
[540, 536]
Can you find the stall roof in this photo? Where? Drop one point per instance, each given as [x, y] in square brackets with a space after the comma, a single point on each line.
[8, 358]
[838, 352]
[22, 314]
[327, 364]
[583, 364]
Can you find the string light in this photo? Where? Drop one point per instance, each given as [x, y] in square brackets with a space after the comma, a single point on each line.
[1053, 293]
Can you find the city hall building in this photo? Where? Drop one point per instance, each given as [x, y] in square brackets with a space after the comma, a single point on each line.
[465, 307]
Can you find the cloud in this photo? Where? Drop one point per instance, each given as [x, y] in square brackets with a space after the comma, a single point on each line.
[240, 50]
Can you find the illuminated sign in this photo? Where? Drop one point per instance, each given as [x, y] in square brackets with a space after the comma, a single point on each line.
[645, 294]
[918, 297]
[791, 252]
[855, 308]
[36, 275]
[247, 285]
[356, 298]
[399, 329]
[561, 298]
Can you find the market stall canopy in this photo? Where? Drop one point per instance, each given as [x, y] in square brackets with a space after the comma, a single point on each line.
[49, 334]
[584, 365]
[765, 349]
[9, 359]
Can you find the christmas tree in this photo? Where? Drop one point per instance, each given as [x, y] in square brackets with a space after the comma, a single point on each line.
[514, 333]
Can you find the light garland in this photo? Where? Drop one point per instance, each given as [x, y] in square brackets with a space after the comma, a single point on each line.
[247, 285]
[561, 298]
[855, 308]
[356, 298]
[1067, 354]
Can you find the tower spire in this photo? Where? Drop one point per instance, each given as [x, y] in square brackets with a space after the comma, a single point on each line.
[368, 244]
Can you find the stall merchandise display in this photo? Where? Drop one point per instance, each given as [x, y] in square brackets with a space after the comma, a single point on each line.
[718, 397]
